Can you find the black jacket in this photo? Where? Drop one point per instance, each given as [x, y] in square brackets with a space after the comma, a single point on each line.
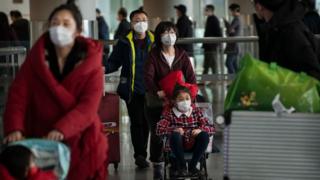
[185, 30]
[212, 29]
[103, 29]
[124, 55]
[289, 43]
[22, 29]
[122, 30]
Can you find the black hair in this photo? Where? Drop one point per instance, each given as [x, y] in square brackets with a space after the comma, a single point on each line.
[309, 4]
[15, 13]
[4, 22]
[98, 11]
[123, 12]
[135, 12]
[234, 7]
[273, 5]
[16, 159]
[178, 89]
[161, 28]
[210, 7]
[73, 9]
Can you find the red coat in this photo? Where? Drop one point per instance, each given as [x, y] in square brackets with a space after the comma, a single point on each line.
[38, 103]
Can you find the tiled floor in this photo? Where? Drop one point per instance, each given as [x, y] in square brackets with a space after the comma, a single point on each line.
[128, 171]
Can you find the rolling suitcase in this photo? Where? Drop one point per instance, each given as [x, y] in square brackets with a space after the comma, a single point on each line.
[110, 114]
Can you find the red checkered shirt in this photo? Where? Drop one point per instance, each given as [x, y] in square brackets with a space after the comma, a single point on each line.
[169, 122]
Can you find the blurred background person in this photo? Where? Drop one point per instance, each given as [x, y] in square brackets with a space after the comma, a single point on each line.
[103, 32]
[21, 26]
[7, 34]
[212, 29]
[124, 25]
[287, 41]
[233, 29]
[311, 17]
[184, 26]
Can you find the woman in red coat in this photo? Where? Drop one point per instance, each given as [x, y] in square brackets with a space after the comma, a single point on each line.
[57, 92]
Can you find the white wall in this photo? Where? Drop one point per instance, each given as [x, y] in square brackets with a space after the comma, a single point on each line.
[7, 5]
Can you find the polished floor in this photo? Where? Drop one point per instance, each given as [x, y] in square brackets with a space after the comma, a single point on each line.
[128, 171]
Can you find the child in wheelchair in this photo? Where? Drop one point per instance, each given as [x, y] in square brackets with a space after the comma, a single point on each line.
[185, 127]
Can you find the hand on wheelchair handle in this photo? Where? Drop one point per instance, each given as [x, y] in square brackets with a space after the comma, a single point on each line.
[179, 130]
[55, 135]
[13, 137]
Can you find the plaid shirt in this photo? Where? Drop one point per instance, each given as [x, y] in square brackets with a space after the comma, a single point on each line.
[169, 122]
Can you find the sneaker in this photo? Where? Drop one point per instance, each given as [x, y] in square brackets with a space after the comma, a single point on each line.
[158, 171]
[183, 172]
[141, 162]
[194, 172]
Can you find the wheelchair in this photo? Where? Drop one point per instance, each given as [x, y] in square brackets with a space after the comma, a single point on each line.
[169, 157]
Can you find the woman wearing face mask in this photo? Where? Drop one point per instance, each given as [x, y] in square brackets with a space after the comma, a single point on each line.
[56, 94]
[164, 58]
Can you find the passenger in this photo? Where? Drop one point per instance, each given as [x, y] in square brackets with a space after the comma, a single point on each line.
[7, 36]
[288, 42]
[164, 58]
[131, 53]
[103, 31]
[17, 162]
[311, 17]
[233, 29]
[56, 94]
[124, 25]
[186, 127]
[212, 29]
[184, 27]
[21, 26]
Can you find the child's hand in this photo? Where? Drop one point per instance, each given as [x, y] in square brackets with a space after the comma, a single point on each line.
[195, 132]
[12, 137]
[55, 135]
[179, 130]
[161, 94]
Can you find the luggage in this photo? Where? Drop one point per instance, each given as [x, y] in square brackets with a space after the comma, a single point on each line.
[110, 114]
[263, 146]
[49, 155]
[257, 84]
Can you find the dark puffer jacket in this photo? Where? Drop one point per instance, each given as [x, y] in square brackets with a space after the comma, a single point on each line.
[289, 43]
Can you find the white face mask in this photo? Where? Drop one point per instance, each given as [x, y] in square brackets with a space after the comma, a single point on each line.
[61, 36]
[184, 106]
[169, 39]
[141, 27]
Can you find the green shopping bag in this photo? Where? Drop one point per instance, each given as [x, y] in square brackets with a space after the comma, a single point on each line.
[257, 83]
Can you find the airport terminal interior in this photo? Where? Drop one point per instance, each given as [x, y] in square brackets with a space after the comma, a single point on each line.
[279, 141]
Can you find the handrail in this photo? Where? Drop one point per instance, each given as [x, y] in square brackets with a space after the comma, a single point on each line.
[207, 40]
[12, 50]
[214, 40]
